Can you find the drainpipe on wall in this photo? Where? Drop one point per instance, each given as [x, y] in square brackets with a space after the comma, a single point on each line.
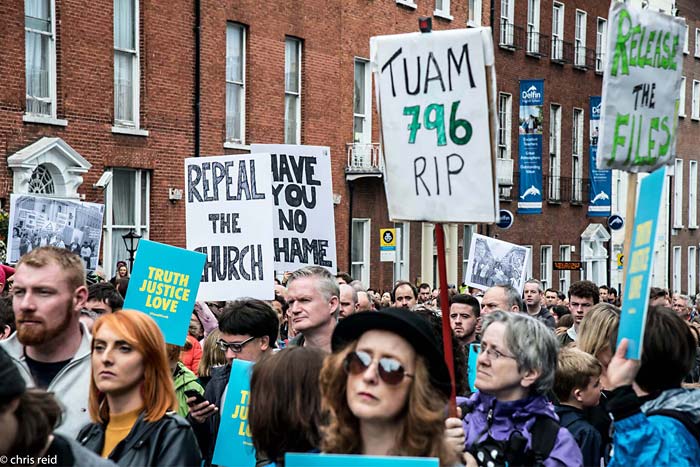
[197, 68]
[350, 193]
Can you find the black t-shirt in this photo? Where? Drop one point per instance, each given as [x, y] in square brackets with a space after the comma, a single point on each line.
[44, 372]
[61, 449]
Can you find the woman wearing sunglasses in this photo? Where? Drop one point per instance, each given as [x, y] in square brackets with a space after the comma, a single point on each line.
[386, 386]
[132, 396]
[509, 421]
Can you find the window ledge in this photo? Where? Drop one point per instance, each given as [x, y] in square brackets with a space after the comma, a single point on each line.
[122, 130]
[681, 115]
[693, 227]
[695, 117]
[443, 14]
[232, 145]
[677, 226]
[473, 24]
[44, 120]
[408, 3]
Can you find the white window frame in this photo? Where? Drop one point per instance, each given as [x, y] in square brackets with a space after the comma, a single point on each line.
[364, 262]
[678, 194]
[577, 154]
[564, 276]
[402, 270]
[505, 119]
[37, 117]
[443, 11]
[695, 109]
[533, 27]
[697, 42]
[366, 136]
[474, 13]
[558, 31]
[581, 22]
[681, 103]
[677, 269]
[408, 3]
[140, 227]
[693, 194]
[554, 188]
[528, 267]
[296, 138]
[231, 141]
[546, 266]
[600, 44]
[135, 53]
[686, 46]
[507, 33]
[468, 232]
[692, 271]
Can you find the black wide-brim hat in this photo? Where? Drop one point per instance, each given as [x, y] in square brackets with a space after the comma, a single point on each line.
[415, 329]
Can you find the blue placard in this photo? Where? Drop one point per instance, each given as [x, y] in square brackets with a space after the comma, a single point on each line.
[600, 194]
[615, 222]
[474, 350]
[234, 444]
[505, 219]
[530, 146]
[164, 285]
[638, 272]
[293, 459]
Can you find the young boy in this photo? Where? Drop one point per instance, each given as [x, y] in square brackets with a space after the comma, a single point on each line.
[577, 386]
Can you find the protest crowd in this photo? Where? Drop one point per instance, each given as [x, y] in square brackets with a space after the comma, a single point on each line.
[540, 379]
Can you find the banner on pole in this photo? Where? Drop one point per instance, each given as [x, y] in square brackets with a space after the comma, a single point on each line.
[600, 194]
[530, 146]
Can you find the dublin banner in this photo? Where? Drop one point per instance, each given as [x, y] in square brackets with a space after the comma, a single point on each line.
[601, 180]
[530, 146]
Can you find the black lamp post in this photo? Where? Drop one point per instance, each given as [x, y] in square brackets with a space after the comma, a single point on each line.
[131, 242]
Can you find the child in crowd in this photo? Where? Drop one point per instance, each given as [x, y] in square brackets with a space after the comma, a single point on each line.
[577, 386]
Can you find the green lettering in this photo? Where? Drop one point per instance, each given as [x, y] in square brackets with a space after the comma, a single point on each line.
[663, 149]
[650, 43]
[618, 140]
[633, 44]
[620, 54]
[651, 143]
[667, 52]
[674, 53]
[639, 137]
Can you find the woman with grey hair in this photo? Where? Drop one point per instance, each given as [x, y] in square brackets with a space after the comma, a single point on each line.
[509, 421]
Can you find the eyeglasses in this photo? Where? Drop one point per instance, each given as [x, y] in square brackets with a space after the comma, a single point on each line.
[236, 347]
[389, 369]
[494, 354]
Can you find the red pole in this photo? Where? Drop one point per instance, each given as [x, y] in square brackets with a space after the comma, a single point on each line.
[445, 307]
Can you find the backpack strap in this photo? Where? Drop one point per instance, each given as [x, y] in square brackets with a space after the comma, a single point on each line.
[544, 434]
[684, 418]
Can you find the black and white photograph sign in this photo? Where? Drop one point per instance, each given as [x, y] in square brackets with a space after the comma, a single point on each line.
[37, 221]
[495, 262]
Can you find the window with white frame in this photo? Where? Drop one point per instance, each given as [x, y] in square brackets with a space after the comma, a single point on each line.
[554, 151]
[362, 103]
[292, 91]
[126, 63]
[505, 115]
[692, 194]
[564, 276]
[577, 155]
[692, 270]
[601, 38]
[507, 27]
[546, 265]
[676, 269]
[474, 13]
[580, 39]
[533, 26]
[697, 42]
[40, 57]
[681, 103]
[403, 251]
[127, 202]
[359, 254]
[468, 232]
[557, 31]
[528, 267]
[678, 195]
[442, 9]
[695, 109]
[235, 83]
[686, 47]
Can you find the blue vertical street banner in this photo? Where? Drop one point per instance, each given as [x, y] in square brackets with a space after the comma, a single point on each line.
[599, 196]
[530, 146]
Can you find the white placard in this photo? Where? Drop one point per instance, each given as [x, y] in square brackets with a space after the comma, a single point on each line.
[641, 89]
[303, 220]
[495, 262]
[229, 218]
[434, 107]
[37, 221]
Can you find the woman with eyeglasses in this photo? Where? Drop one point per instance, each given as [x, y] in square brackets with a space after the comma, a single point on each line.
[509, 421]
[132, 398]
[386, 387]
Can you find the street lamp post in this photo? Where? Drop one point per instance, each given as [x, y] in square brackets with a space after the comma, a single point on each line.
[131, 242]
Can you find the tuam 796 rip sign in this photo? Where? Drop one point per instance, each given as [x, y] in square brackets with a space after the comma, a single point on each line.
[433, 100]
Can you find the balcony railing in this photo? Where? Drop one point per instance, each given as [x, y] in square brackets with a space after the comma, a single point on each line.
[570, 190]
[510, 36]
[537, 44]
[364, 159]
[562, 51]
[584, 58]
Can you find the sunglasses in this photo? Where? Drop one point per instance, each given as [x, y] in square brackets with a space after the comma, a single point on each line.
[389, 369]
[236, 347]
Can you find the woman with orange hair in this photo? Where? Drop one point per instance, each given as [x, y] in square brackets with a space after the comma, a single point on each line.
[130, 368]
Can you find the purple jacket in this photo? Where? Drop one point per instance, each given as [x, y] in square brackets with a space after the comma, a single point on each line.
[518, 415]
